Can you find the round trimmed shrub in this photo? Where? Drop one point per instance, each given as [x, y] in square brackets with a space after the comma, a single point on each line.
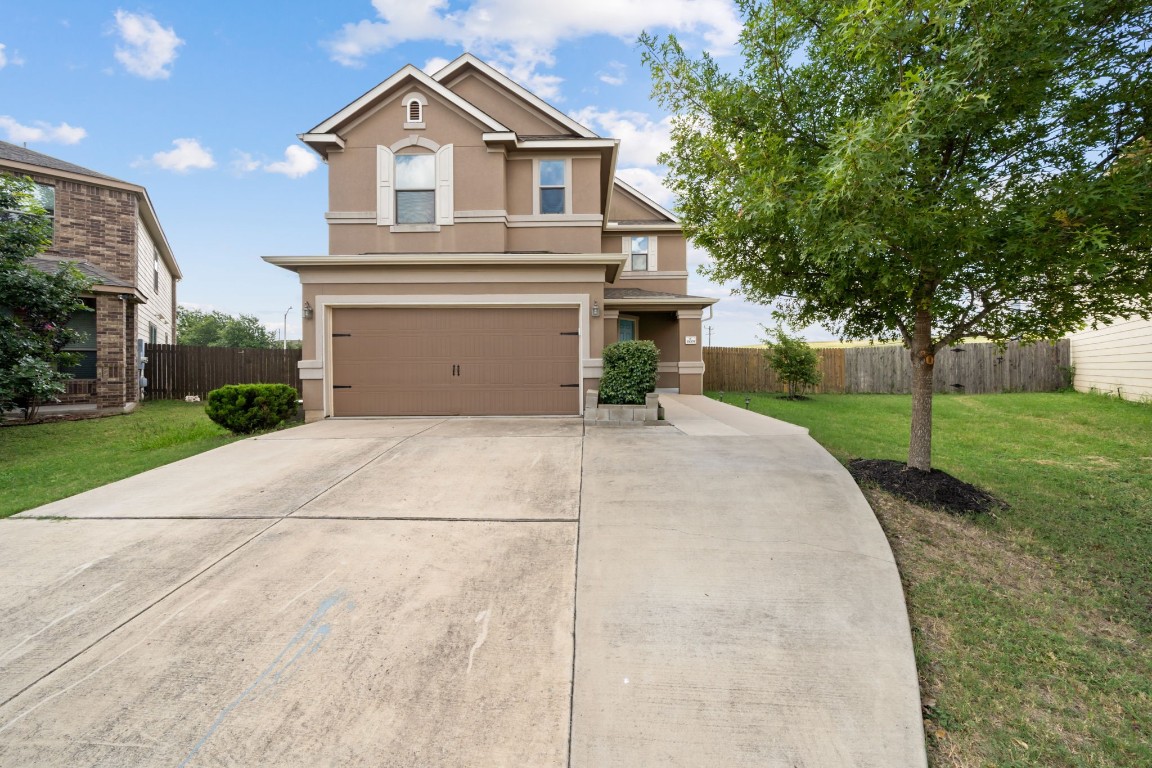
[246, 408]
[629, 372]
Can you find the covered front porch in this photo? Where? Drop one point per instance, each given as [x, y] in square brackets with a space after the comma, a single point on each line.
[672, 321]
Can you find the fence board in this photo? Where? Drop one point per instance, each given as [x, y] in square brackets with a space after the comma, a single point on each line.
[175, 371]
[967, 368]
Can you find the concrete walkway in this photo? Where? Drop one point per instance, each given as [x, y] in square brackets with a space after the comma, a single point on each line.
[464, 592]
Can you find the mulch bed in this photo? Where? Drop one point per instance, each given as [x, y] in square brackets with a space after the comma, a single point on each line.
[931, 489]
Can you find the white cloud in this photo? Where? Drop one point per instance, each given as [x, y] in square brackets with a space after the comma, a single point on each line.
[41, 131]
[434, 65]
[188, 155]
[642, 139]
[149, 49]
[244, 162]
[614, 74]
[297, 162]
[3, 56]
[520, 36]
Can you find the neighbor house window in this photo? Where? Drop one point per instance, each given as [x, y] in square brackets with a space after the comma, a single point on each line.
[639, 254]
[156, 273]
[153, 333]
[46, 196]
[553, 186]
[84, 345]
[415, 189]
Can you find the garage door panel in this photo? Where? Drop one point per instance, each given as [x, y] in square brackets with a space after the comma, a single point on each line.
[467, 361]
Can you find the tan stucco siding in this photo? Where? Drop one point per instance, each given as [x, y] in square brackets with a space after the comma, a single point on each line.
[554, 239]
[458, 238]
[505, 107]
[1115, 358]
[625, 207]
[586, 185]
[520, 191]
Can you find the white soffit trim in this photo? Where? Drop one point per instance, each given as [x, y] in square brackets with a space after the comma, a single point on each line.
[350, 111]
[519, 90]
[647, 200]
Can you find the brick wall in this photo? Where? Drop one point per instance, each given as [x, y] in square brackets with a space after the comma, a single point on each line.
[96, 225]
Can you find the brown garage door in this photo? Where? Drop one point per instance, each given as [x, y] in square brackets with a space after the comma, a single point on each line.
[416, 362]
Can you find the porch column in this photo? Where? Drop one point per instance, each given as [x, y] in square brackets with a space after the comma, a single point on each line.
[611, 330]
[691, 351]
[111, 315]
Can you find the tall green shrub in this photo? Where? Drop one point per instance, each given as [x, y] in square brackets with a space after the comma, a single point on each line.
[793, 360]
[629, 372]
[245, 408]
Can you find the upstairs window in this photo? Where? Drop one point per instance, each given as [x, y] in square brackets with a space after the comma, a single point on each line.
[553, 186]
[46, 197]
[639, 254]
[416, 189]
[414, 185]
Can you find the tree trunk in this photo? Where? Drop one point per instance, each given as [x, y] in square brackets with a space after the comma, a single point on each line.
[923, 361]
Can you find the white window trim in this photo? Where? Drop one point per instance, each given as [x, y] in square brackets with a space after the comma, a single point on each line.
[406, 102]
[626, 247]
[386, 192]
[536, 187]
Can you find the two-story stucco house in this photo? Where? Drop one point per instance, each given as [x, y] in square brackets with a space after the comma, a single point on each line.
[482, 253]
[109, 230]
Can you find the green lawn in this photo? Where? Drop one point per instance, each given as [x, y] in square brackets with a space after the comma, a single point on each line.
[44, 462]
[1034, 630]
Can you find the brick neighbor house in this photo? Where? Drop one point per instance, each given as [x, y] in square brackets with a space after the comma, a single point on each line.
[109, 230]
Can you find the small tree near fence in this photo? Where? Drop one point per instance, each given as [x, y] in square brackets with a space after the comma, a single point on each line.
[793, 360]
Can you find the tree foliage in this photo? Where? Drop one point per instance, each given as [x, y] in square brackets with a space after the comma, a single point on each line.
[197, 328]
[35, 306]
[922, 170]
[793, 360]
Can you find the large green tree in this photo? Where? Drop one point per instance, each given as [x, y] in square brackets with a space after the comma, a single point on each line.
[197, 328]
[922, 170]
[35, 305]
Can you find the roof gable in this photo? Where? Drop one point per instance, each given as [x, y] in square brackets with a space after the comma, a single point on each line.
[637, 206]
[373, 98]
[467, 64]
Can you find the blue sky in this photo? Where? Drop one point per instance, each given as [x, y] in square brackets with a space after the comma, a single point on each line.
[201, 104]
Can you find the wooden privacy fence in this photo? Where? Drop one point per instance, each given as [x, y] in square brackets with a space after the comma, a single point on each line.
[175, 371]
[965, 368]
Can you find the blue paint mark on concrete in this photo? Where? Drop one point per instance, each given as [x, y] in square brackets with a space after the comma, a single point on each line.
[308, 638]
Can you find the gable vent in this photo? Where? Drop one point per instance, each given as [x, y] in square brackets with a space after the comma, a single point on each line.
[414, 112]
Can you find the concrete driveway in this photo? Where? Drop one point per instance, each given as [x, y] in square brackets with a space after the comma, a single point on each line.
[464, 592]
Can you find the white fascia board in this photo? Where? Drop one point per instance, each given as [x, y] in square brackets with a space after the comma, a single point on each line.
[518, 90]
[329, 125]
[595, 143]
[408, 259]
[694, 301]
[615, 226]
[321, 138]
[647, 200]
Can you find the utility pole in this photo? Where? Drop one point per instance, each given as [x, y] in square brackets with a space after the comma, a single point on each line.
[708, 328]
[286, 327]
